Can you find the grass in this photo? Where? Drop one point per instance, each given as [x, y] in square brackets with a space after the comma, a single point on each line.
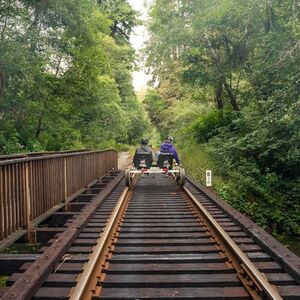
[3, 280]
[196, 160]
[17, 248]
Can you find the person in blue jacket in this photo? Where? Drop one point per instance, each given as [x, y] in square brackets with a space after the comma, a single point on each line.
[168, 147]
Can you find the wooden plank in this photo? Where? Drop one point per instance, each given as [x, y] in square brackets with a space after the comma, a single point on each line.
[126, 225]
[166, 249]
[151, 230]
[1, 205]
[166, 259]
[182, 293]
[169, 269]
[6, 204]
[11, 263]
[280, 279]
[18, 196]
[170, 280]
[53, 280]
[27, 197]
[51, 293]
[290, 292]
[13, 187]
[165, 242]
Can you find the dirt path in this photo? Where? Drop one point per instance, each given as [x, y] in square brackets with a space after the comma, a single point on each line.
[124, 160]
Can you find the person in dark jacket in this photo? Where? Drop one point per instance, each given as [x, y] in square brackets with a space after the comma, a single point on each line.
[168, 147]
[144, 147]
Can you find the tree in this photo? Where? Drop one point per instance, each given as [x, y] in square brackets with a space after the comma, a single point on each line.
[243, 57]
[123, 18]
[64, 75]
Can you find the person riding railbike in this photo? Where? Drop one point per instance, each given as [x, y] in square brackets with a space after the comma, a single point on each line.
[144, 147]
[168, 147]
[144, 152]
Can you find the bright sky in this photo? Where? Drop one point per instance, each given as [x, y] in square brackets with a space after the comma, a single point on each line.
[137, 39]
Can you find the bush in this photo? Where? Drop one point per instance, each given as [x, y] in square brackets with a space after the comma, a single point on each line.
[206, 126]
[257, 195]
[259, 154]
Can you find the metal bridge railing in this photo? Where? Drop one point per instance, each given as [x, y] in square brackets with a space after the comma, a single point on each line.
[31, 186]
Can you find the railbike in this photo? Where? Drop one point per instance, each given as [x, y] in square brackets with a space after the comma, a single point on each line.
[143, 164]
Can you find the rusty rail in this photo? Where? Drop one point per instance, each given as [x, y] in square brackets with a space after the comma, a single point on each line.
[31, 186]
[88, 279]
[246, 269]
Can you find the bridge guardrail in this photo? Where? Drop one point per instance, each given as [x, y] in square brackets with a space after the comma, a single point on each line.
[31, 186]
[35, 154]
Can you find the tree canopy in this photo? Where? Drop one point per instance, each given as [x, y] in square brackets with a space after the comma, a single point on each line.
[65, 75]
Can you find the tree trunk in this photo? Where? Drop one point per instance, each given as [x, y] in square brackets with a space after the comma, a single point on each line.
[2, 74]
[231, 96]
[270, 19]
[218, 95]
[35, 26]
[39, 127]
[2, 83]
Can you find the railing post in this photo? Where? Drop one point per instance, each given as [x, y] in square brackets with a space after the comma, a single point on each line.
[65, 185]
[2, 225]
[27, 205]
[106, 162]
[31, 233]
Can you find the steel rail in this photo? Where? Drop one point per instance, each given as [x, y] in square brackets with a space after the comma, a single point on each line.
[245, 267]
[86, 284]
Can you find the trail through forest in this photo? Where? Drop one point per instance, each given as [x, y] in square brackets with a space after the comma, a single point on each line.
[124, 160]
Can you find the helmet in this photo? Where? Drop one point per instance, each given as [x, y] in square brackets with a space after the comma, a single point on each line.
[144, 141]
[169, 139]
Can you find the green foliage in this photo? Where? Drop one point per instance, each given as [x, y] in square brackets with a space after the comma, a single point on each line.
[3, 281]
[264, 166]
[243, 58]
[19, 248]
[257, 195]
[155, 106]
[196, 160]
[65, 75]
[9, 140]
[123, 18]
[206, 126]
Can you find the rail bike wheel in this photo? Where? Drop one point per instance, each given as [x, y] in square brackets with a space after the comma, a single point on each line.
[128, 178]
[181, 176]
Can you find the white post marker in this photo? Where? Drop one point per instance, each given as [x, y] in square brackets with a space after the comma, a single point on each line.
[208, 178]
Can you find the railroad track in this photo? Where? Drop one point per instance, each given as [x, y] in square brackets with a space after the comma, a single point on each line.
[162, 241]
